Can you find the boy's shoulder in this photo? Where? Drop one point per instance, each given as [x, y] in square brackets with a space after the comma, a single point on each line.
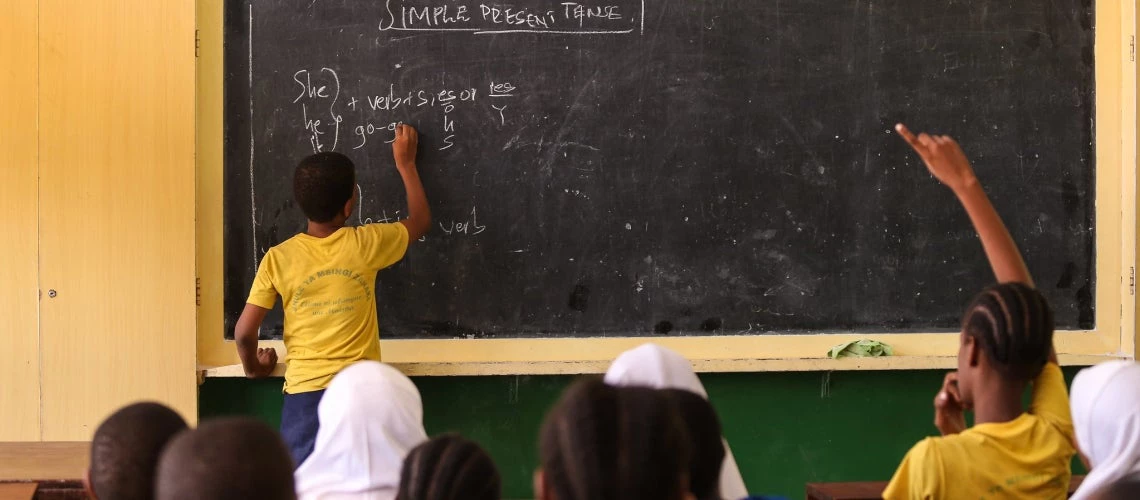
[288, 245]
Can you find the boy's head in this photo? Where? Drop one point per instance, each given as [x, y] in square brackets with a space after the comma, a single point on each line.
[1008, 331]
[125, 451]
[607, 443]
[324, 185]
[226, 459]
[705, 441]
[449, 467]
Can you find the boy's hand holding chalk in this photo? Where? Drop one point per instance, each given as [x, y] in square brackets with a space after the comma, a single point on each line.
[404, 147]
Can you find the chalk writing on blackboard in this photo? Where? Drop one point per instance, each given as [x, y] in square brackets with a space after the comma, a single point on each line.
[554, 17]
[318, 96]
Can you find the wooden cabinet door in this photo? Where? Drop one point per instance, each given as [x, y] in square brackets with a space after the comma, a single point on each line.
[19, 317]
[116, 210]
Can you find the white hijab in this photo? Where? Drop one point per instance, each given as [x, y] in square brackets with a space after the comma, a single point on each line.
[1106, 416]
[371, 417]
[654, 366]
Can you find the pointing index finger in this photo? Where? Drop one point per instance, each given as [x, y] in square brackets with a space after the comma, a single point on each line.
[907, 135]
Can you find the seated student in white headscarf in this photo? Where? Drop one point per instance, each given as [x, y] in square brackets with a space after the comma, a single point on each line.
[651, 365]
[1105, 404]
[371, 416]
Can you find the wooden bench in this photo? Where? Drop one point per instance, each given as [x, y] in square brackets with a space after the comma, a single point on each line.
[873, 490]
[43, 490]
[43, 470]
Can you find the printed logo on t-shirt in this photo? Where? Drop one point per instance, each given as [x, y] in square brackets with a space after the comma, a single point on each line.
[322, 306]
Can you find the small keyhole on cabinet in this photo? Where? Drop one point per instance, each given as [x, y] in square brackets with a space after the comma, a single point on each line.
[51, 293]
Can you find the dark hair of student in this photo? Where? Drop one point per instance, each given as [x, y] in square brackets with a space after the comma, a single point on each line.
[322, 184]
[614, 443]
[1013, 324]
[126, 447]
[705, 441]
[233, 458]
[1124, 489]
[449, 467]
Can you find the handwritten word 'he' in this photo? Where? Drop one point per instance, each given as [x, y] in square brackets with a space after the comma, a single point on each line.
[319, 95]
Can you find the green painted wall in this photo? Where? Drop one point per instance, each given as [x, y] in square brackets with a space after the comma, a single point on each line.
[786, 429]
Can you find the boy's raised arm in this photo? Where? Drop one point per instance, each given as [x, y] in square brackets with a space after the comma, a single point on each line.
[419, 213]
[257, 362]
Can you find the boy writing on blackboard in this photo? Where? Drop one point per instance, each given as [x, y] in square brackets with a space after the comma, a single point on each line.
[326, 278]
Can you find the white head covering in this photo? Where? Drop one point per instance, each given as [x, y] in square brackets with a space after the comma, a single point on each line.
[371, 417]
[651, 365]
[1106, 416]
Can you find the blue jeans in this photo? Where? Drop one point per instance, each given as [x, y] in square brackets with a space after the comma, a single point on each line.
[299, 423]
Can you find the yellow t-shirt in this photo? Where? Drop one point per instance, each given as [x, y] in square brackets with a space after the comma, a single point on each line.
[327, 287]
[1027, 457]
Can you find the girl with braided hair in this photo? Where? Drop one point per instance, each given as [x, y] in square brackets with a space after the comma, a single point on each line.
[1005, 347]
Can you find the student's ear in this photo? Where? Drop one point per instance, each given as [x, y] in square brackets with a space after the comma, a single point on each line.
[970, 344]
[87, 485]
[540, 486]
[350, 205]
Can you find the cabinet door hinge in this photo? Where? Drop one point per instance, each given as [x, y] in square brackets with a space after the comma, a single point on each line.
[197, 291]
[197, 43]
[1131, 280]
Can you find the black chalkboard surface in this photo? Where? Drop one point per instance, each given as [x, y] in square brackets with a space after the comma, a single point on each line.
[648, 167]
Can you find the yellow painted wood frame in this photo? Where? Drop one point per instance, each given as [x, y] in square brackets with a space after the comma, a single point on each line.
[1116, 228]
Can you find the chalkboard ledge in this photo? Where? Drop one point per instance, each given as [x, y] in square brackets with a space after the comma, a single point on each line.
[708, 354]
[702, 366]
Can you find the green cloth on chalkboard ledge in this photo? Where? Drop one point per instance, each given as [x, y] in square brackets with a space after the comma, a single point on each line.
[861, 349]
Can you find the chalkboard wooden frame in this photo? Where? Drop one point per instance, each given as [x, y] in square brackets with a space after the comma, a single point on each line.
[1116, 228]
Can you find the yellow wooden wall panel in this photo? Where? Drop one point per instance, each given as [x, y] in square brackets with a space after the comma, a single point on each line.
[209, 168]
[117, 209]
[19, 318]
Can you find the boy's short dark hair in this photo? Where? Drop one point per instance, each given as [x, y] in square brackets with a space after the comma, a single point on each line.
[322, 184]
[126, 447]
[1013, 324]
[235, 458]
[705, 440]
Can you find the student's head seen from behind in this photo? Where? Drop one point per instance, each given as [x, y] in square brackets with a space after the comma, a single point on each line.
[1125, 489]
[125, 451]
[449, 467]
[704, 432]
[1007, 335]
[235, 458]
[613, 443]
[324, 186]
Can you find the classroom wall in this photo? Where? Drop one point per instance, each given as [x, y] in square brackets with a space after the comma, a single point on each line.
[786, 429]
[97, 307]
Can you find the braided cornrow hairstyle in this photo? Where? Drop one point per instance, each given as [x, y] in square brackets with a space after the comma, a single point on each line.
[1014, 325]
[449, 467]
[614, 443]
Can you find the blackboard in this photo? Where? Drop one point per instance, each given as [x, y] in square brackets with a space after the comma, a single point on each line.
[666, 167]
